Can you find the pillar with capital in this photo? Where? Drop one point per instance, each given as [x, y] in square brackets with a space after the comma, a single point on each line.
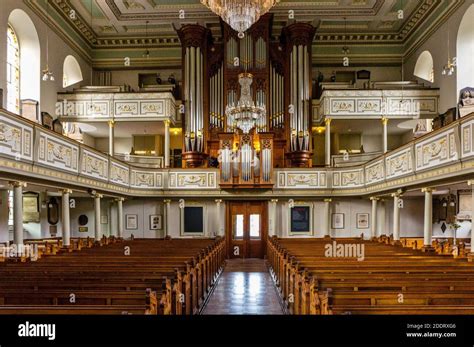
[373, 218]
[111, 137]
[428, 221]
[18, 212]
[167, 215]
[327, 218]
[272, 216]
[167, 143]
[385, 134]
[327, 135]
[396, 218]
[65, 217]
[120, 217]
[382, 218]
[97, 217]
[220, 218]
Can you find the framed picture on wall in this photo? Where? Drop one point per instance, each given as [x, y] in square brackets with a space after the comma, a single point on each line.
[301, 220]
[156, 222]
[131, 221]
[337, 221]
[362, 221]
[192, 219]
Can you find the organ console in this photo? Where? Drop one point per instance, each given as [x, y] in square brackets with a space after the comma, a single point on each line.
[281, 81]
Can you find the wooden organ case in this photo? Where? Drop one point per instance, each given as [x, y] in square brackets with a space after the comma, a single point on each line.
[281, 80]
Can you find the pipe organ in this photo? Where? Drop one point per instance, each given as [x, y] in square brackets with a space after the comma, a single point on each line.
[194, 39]
[281, 81]
[298, 40]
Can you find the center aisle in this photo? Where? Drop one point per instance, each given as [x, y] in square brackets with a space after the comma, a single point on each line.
[245, 287]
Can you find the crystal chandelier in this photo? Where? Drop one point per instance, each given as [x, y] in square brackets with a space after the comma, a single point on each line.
[245, 114]
[240, 14]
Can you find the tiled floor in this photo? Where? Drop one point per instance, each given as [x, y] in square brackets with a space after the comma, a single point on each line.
[245, 287]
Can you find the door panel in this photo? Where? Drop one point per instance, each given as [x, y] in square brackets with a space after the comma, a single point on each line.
[246, 232]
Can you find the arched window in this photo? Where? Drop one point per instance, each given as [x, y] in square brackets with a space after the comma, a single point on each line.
[13, 71]
[26, 83]
[465, 51]
[424, 68]
[72, 73]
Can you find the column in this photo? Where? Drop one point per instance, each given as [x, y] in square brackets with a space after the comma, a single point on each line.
[396, 218]
[111, 137]
[98, 231]
[65, 218]
[18, 212]
[327, 218]
[428, 220]
[120, 217]
[327, 121]
[385, 134]
[272, 216]
[220, 218]
[167, 143]
[373, 218]
[382, 218]
[167, 215]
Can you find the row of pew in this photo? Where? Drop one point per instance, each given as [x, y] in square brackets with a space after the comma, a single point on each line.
[458, 248]
[114, 276]
[389, 280]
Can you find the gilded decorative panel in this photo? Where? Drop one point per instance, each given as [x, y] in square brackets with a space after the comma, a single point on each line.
[192, 180]
[126, 108]
[153, 108]
[16, 139]
[436, 150]
[343, 106]
[467, 139]
[94, 165]
[301, 179]
[119, 174]
[57, 153]
[400, 163]
[348, 178]
[375, 172]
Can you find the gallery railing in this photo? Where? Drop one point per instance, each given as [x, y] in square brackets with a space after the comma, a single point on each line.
[27, 149]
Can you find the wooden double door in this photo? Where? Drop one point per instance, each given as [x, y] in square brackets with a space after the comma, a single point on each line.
[246, 230]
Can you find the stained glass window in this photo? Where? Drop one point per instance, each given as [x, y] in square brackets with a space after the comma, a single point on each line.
[13, 71]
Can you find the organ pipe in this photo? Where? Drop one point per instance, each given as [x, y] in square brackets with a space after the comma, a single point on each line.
[298, 38]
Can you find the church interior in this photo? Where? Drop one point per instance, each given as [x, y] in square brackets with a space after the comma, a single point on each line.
[264, 157]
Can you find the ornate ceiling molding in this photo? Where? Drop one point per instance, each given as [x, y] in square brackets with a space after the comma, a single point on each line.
[424, 17]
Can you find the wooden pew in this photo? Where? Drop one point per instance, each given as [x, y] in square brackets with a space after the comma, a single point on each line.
[311, 283]
[180, 271]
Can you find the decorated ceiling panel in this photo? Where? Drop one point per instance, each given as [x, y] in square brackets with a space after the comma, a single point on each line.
[120, 24]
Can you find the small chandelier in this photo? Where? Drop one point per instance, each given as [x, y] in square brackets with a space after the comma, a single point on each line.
[240, 14]
[47, 74]
[449, 68]
[245, 114]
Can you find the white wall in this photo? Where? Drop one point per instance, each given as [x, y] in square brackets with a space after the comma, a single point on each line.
[130, 77]
[121, 144]
[377, 74]
[411, 218]
[58, 49]
[437, 46]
